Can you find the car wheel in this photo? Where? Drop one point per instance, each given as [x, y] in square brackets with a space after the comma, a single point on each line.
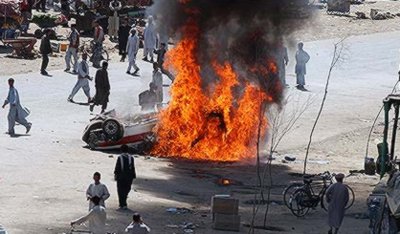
[112, 129]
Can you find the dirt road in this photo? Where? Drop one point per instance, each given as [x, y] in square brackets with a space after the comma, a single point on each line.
[43, 176]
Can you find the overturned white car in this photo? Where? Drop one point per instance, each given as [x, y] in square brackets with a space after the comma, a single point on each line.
[105, 131]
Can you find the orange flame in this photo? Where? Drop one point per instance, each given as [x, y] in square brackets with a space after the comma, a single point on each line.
[209, 123]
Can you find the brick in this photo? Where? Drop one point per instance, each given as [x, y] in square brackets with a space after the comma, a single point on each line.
[224, 205]
[226, 222]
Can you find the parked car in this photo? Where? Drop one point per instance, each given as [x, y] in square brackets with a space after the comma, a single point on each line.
[106, 131]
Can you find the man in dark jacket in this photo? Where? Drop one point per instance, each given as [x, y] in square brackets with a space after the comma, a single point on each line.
[161, 58]
[123, 34]
[45, 50]
[102, 88]
[124, 174]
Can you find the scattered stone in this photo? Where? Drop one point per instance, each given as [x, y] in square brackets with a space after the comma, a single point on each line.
[172, 226]
[361, 15]
[290, 158]
[111, 156]
[186, 227]
[180, 210]
[377, 14]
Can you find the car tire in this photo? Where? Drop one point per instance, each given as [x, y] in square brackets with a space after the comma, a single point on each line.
[113, 129]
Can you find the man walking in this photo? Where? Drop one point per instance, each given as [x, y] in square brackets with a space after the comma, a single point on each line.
[302, 59]
[45, 50]
[102, 88]
[123, 34]
[137, 226]
[337, 196]
[98, 44]
[83, 80]
[132, 48]
[161, 58]
[97, 189]
[113, 19]
[72, 49]
[124, 174]
[97, 217]
[150, 40]
[16, 113]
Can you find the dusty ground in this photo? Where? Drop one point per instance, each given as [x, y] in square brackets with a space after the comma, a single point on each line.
[43, 176]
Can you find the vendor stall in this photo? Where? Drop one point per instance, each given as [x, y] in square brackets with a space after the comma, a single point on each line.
[10, 15]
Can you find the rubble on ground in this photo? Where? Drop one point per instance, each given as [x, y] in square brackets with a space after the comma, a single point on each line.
[377, 14]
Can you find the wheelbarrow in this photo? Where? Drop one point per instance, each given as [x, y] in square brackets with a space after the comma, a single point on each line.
[22, 46]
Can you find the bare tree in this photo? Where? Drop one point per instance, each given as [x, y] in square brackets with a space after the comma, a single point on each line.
[282, 120]
[336, 58]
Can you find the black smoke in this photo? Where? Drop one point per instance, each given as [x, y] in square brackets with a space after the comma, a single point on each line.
[245, 32]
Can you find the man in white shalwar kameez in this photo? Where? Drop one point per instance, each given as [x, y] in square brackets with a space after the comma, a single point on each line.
[113, 19]
[132, 48]
[337, 196]
[150, 39]
[97, 218]
[302, 59]
[83, 79]
[97, 189]
[17, 113]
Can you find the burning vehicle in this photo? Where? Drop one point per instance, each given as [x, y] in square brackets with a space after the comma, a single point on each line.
[225, 61]
[106, 131]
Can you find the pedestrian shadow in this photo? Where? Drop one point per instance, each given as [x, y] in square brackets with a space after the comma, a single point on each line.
[126, 211]
[19, 135]
[71, 73]
[48, 75]
[81, 103]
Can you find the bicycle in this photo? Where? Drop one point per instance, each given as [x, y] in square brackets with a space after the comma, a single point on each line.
[300, 197]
